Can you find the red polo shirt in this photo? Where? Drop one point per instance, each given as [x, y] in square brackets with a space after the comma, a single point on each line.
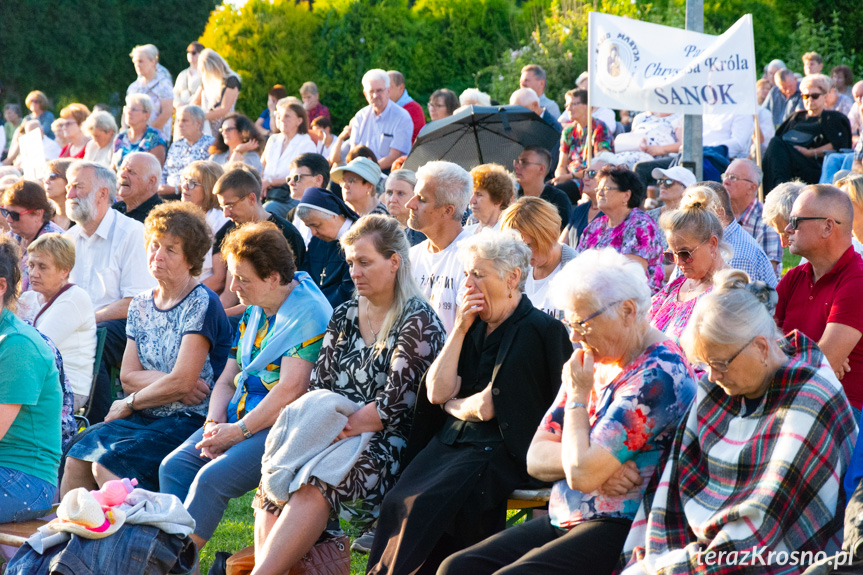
[417, 117]
[835, 298]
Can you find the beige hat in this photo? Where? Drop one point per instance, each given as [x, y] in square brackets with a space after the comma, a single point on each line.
[81, 514]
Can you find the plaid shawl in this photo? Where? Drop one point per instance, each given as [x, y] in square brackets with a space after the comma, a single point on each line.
[731, 482]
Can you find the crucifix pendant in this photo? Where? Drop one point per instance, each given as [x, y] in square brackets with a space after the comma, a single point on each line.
[323, 275]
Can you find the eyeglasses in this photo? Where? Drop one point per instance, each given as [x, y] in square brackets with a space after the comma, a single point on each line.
[722, 366]
[606, 189]
[52, 176]
[224, 130]
[128, 109]
[522, 163]
[667, 183]
[297, 178]
[433, 105]
[814, 96]
[670, 256]
[230, 205]
[581, 327]
[794, 221]
[193, 52]
[189, 185]
[14, 216]
[589, 174]
[733, 178]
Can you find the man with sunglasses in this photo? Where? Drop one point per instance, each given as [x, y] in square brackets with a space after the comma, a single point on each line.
[821, 298]
[742, 179]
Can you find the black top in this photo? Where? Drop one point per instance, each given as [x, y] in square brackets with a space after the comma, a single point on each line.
[830, 127]
[295, 239]
[326, 263]
[526, 358]
[141, 212]
[557, 197]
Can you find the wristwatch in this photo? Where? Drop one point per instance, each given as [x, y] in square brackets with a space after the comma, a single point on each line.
[574, 404]
[130, 399]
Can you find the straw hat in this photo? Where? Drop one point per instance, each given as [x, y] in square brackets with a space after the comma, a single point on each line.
[81, 514]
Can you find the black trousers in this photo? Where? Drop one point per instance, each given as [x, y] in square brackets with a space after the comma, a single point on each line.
[112, 355]
[782, 163]
[539, 548]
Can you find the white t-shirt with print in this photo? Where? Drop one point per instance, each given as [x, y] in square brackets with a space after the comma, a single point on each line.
[441, 277]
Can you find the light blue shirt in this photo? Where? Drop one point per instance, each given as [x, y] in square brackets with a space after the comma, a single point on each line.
[392, 129]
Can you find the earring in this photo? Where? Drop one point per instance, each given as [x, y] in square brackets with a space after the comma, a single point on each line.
[510, 295]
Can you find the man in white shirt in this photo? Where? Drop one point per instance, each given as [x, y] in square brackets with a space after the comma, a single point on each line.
[110, 263]
[440, 198]
[383, 125]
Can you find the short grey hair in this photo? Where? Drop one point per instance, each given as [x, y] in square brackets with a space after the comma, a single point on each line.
[524, 97]
[820, 81]
[142, 100]
[309, 88]
[736, 311]
[452, 184]
[602, 277]
[153, 169]
[103, 176]
[195, 113]
[472, 96]
[757, 174]
[404, 175]
[780, 200]
[101, 120]
[376, 74]
[536, 70]
[504, 249]
[148, 50]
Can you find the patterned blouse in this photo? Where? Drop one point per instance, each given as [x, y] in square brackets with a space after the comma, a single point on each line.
[123, 146]
[572, 143]
[159, 89]
[390, 379]
[633, 414]
[259, 383]
[636, 235]
[158, 334]
[668, 313]
[181, 155]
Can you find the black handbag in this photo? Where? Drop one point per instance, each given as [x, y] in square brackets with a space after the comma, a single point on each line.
[798, 137]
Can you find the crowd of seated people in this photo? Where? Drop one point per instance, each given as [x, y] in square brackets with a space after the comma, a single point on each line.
[227, 299]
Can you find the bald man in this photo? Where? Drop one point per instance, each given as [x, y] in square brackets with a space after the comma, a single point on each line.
[821, 297]
[137, 185]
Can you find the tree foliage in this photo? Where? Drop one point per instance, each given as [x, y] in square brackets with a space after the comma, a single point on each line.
[79, 51]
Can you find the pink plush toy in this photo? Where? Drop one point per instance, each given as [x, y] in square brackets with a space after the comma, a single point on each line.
[114, 492]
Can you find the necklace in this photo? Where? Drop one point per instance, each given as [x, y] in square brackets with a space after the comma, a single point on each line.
[369, 322]
[180, 295]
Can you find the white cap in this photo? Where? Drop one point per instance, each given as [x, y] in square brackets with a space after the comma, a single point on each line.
[676, 173]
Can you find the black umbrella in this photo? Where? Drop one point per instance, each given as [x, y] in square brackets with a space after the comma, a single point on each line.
[481, 135]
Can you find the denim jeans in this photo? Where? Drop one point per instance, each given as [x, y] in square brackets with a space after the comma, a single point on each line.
[207, 485]
[23, 496]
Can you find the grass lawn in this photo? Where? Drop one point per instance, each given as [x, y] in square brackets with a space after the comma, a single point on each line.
[789, 260]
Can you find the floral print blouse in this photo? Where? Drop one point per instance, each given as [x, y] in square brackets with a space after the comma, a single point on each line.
[633, 414]
[572, 143]
[636, 235]
[669, 314]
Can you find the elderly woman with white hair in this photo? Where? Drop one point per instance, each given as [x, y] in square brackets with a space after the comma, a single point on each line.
[139, 136]
[219, 90]
[624, 392]
[192, 146]
[757, 464]
[777, 207]
[474, 97]
[102, 129]
[798, 149]
[476, 412]
[155, 85]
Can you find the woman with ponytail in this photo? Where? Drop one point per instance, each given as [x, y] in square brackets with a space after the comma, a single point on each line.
[755, 469]
[694, 236]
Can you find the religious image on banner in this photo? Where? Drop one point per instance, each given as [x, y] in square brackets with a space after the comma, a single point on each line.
[686, 72]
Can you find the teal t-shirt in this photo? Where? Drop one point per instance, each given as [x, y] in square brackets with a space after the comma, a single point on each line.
[29, 378]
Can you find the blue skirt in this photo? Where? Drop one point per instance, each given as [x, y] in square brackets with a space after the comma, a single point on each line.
[135, 446]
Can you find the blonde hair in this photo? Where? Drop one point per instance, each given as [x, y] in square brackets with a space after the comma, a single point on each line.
[536, 218]
[696, 215]
[736, 311]
[852, 184]
[77, 112]
[388, 239]
[212, 65]
[60, 248]
[207, 173]
[147, 50]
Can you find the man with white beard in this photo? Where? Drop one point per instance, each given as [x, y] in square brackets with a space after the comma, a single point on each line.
[110, 263]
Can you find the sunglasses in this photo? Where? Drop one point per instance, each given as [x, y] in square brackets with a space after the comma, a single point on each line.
[685, 256]
[794, 221]
[52, 176]
[296, 178]
[667, 183]
[14, 216]
[225, 130]
[814, 96]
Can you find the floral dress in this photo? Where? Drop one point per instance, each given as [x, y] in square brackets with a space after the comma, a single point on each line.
[633, 415]
[351, 368]
[668, 313]
[636, 235]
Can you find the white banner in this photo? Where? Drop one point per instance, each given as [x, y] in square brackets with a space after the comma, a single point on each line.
[635, 65]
